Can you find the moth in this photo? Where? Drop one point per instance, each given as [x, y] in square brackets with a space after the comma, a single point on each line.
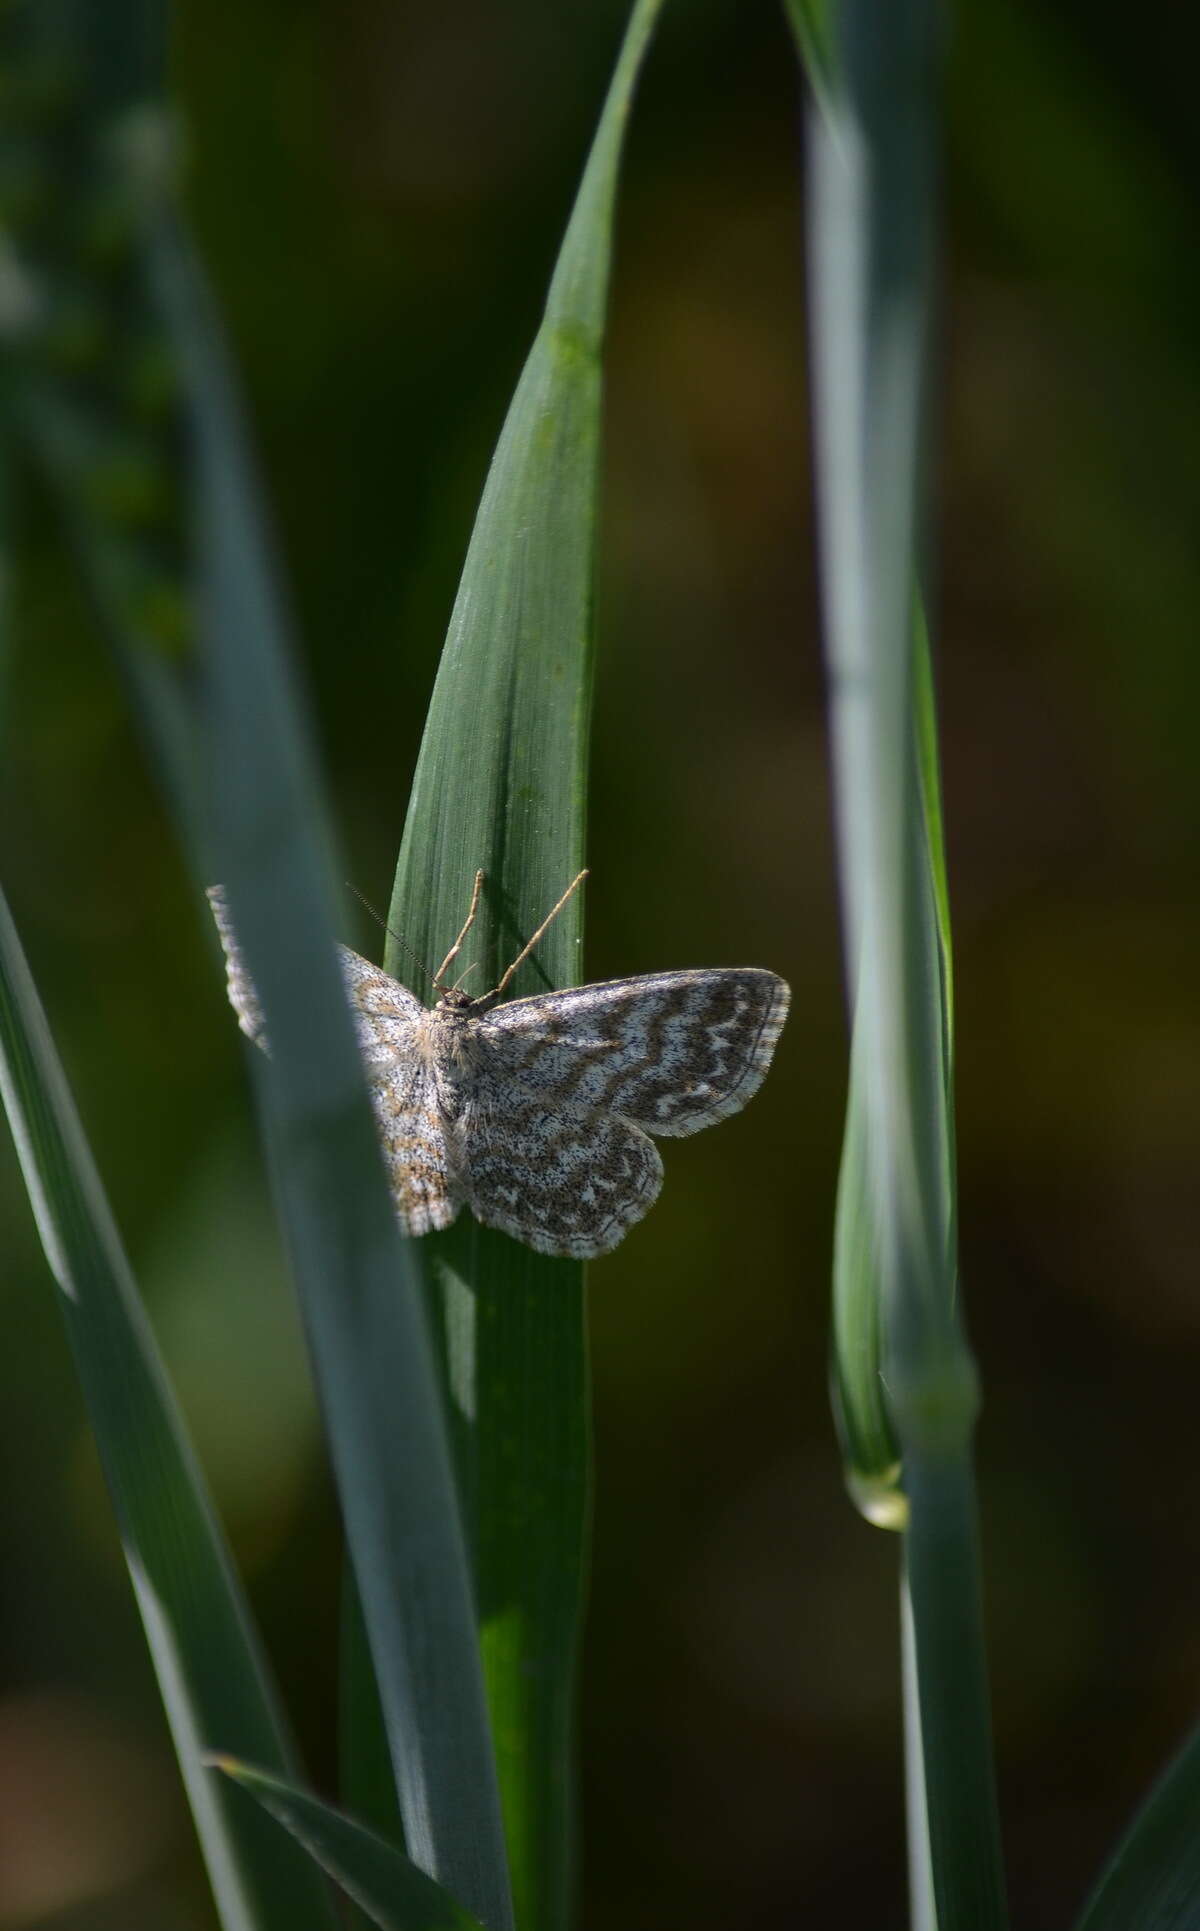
[540, 1114]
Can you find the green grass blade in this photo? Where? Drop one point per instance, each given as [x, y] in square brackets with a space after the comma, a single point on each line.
[930, 781]
[358, 1281]
[501, 778]
[811, 28]
[868, 1438]
[1153, 1881]
[902, 1355]
[366, 1782]
[500, 784]
[383, 1883]
[221, 719]
[957, 1858]
[215, 1687]
[922, 1913]
[870, 1453]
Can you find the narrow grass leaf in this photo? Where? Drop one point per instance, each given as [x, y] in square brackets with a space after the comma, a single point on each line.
[214, 695]
[214, 1683]
[1153, 1881]
[871, 234]
[358, 1281]
[500, 785]
[384, 1884]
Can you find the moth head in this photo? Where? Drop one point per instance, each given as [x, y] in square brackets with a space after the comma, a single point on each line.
[454, 999]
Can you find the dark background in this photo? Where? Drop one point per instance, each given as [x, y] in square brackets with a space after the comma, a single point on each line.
[379, 190]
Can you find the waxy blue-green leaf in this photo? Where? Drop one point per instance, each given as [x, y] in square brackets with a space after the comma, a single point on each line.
[215, 1686]
[500, 785]
[384, 1884]
[904, 1377]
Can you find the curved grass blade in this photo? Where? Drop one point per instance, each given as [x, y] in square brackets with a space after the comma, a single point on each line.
[871, 227]
[812, 31]
[221, 719]
[214, 1682]
[500, 784]
[382, 1882]
[1153, 1881]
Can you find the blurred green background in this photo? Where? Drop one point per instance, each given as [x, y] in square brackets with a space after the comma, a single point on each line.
[379, 191]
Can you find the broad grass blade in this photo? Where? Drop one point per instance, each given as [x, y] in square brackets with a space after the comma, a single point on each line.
[903, 1370]
[1153, 1881]
[215, 699]
[385, 1885]
[500, 784]
[215, 1685]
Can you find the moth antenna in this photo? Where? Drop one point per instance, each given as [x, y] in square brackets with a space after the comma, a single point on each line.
[439, 977]
[538, 935]
[404, 946]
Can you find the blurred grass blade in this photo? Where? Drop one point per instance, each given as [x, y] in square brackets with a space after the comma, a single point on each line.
[810, 24]
[902, 1371]
[358, 1281]
[219, 714]
[214, 1684]
[1153, 1881]
[500, 784]
[385, 1884]
[367, 1784]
